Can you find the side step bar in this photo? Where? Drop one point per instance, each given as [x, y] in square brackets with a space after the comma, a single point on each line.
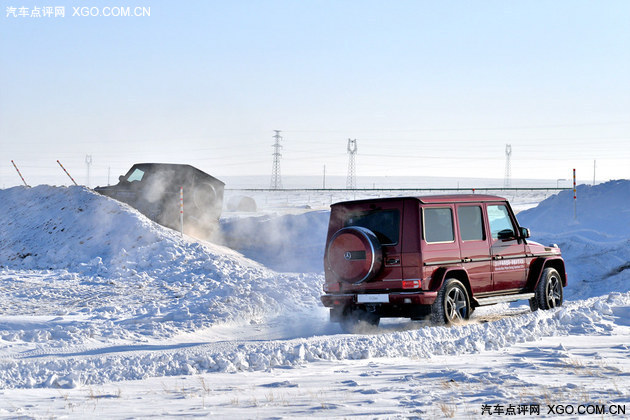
[503, 299]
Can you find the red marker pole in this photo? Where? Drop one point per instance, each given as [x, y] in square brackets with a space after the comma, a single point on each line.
[20, 174]
[574, 197]
[181, 208]
[69, 176]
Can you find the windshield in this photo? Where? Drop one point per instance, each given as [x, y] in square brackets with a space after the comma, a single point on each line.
[136, 175]
[385, 224]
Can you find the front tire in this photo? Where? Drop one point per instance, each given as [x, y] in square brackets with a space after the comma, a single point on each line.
[549, 290]
[452, 305]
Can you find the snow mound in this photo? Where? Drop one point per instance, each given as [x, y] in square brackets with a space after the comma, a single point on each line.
[603, 212]
[52, 228]
[127, 274]
[596, 246]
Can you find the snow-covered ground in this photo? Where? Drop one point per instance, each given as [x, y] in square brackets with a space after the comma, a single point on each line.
[103, 312]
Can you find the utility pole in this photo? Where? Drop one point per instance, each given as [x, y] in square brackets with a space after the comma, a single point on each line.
[276, 182]
[507, 181]
[324, 181]
[351, 181]
[574, 197]
[88, 162]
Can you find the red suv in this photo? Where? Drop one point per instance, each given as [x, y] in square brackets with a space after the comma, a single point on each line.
[441, 256]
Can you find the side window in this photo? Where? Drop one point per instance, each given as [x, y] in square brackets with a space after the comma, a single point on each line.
[438, 224]
[470, 223]
[499, 219]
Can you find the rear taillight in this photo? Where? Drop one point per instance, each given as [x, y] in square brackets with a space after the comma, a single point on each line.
[411, 284]
[331, 287]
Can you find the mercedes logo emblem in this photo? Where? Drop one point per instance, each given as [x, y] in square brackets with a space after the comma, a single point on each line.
[347, 255]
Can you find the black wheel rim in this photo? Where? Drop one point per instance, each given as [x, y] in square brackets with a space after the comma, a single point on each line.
[554, 292]
[456, 307]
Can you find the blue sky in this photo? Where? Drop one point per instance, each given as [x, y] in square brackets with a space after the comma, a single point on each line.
[428, 88]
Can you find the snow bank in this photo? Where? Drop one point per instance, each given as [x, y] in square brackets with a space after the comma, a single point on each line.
[90, 255]
[596, 246]
[603, 212]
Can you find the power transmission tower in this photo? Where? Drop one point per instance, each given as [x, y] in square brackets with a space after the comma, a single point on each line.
[351, 181]
[276, 182]
[88, 162]
[507, 181]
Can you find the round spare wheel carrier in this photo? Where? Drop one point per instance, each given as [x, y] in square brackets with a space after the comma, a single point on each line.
[354, 254]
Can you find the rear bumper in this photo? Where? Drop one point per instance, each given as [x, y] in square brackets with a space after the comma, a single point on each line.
[397, 298]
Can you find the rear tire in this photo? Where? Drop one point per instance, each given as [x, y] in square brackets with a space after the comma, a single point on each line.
[549, 290]
[452, 305]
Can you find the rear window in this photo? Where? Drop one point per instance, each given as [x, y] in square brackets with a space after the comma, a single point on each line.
[384, 223]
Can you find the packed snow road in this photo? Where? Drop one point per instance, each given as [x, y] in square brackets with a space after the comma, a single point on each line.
[92, 293]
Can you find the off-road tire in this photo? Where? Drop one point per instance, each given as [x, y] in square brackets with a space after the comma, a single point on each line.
[452, 305]
[549, 290]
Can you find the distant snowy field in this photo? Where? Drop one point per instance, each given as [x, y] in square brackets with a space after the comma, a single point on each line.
[103, 312]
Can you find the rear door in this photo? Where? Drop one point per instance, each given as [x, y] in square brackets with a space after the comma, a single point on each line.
[474, 245]
[509, 265]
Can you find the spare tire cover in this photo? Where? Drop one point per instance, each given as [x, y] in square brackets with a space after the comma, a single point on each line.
[354, 254]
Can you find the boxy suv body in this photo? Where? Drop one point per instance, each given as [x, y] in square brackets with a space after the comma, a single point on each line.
[154, 190]
[441, 256]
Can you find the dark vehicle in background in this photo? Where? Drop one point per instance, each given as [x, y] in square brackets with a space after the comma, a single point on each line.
[154, 189]
[437, 256]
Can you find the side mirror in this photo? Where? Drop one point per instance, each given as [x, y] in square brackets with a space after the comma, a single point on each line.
[525, 233]
[506, 234]
[121, 178]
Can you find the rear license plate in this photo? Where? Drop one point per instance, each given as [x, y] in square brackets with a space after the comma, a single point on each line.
[382, 298]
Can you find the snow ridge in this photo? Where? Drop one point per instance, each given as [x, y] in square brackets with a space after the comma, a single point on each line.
[593, 317]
